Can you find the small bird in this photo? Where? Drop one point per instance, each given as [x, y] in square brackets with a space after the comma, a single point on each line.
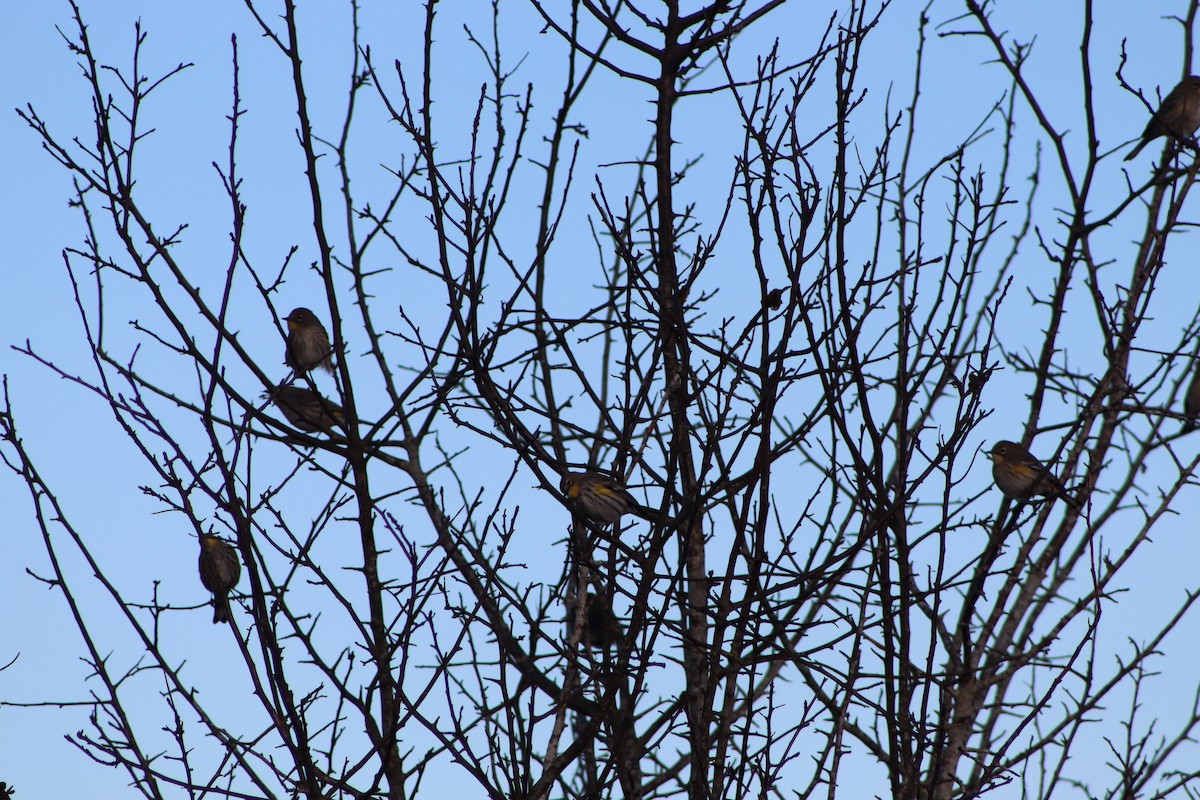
[602, 629]
[600, 498]
[1177, 117]
[1191, 403]
[307, 410]
[1021, 476]
[307, 342]
[220, 571]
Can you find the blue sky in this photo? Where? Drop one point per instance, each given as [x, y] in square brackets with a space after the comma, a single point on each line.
[86, 458]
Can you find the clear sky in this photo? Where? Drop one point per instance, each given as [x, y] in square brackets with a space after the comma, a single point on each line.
[87, 459]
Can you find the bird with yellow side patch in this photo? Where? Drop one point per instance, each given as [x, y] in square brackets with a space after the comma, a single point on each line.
[601, 498]
[1021, 476]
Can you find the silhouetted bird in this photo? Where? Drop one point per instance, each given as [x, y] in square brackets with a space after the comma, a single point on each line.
[1177, 117]
[307, 342]
[602, 630]
[220, 571]
[1191, 403]
[307, 410]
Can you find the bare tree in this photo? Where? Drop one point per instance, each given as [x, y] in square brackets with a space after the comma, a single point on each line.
[779, 566]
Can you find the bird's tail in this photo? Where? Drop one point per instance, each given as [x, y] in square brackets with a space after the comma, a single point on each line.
[1133, 153]
[221, 611]
[1070, 499]
[646, 513]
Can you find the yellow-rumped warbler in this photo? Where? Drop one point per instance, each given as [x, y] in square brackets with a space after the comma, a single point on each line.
[600, 498]
[307, 410]
[307, 342]
[1021, 476]
[602, 630]
[1177, 117]
[220, 571]
[1191, 403]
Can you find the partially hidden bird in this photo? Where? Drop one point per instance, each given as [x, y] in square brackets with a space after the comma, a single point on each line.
[1191, 403]
[1177, 117]
[307, 410]
[601, 498]
[601, 628]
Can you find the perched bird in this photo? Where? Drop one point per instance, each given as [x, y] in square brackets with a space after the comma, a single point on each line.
[602, 629]
[775, 299]
[1021, 476]
[307, 410]
[307, 342]
[220, 571]
[600, 498]
[1191, 403]
[1177, 117]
